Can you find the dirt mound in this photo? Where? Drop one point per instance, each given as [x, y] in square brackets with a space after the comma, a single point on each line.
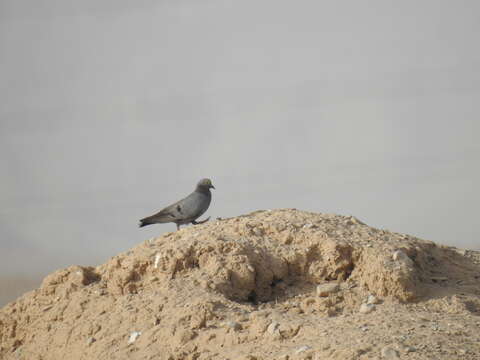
[271, 284]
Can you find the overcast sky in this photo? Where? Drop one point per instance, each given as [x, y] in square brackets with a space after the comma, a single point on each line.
[111, 110]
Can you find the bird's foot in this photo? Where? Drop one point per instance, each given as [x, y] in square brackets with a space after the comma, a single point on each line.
[200, 222]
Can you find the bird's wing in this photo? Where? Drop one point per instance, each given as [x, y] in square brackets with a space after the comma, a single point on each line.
[193, 205]
[184, 209]
[171, 213]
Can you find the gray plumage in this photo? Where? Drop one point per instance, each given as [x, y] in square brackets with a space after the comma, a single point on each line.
[186, 210]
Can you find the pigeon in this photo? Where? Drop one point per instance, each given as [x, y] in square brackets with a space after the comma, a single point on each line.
[186, 210]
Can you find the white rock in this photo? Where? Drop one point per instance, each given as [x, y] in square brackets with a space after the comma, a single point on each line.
[302, 349]
[273, 327]
[324, 290]
[233, 325]
[157, 259]
[134, 336]
[462, 251]
[372, 299]
[389, 353]
[366, 308]
[257, 231]
[400, 256]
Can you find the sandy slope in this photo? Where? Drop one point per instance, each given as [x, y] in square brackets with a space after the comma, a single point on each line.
[248, 288]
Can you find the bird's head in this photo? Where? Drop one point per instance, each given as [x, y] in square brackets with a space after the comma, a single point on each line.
[205, 183]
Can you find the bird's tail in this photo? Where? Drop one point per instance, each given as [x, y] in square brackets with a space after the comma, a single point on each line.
[144, 222]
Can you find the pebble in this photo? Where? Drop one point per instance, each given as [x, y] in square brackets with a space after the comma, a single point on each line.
[91, 340]
[372, 299]
[389, 353]
[233, 325]
[302, 349]
[399, 255]
[410, 349]
[257, 231]
[366, 308]
[462, 251]
[157, 259]
[273, 327]
[324, 290]
[133, 336]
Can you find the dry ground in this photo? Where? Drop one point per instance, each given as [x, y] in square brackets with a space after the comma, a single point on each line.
[281, 284]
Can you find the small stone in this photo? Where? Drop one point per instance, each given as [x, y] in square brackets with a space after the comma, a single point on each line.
[233, 325]
[302, 349]
[257, 231]
[400, 256]
[462, 252]
[366, 308]
[410, 349]
[157, 259]
[372, 299]
[389, 353]
[324, 290]
[91, 340]
[133, 336]
[273, 327]
[101, 292]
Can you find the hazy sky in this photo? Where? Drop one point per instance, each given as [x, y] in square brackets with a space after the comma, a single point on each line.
[111, 110]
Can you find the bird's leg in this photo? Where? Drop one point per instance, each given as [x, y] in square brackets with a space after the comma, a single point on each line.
[178, 227]
[200, 222]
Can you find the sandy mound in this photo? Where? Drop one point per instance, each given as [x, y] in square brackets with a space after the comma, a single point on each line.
[281, 284]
